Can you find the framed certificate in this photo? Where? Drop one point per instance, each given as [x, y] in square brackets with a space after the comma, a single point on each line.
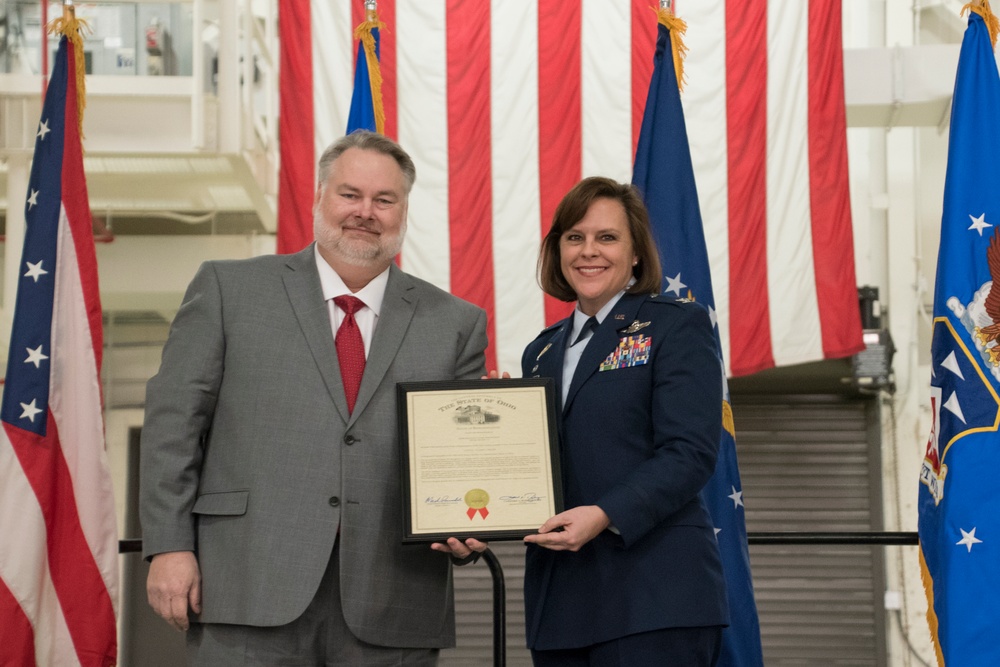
[480, 458]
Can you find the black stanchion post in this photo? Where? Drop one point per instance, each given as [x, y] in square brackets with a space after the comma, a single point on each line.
[499, 610]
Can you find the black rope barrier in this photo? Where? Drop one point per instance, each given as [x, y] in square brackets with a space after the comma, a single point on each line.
[786, 538]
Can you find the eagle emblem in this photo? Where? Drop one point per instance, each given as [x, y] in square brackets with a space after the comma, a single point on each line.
[987, 335]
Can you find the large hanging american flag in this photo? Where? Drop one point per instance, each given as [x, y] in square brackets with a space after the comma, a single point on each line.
[505, 105]
[58, 535]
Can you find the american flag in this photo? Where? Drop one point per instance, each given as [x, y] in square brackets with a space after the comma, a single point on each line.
[58, 536]
[506, 104]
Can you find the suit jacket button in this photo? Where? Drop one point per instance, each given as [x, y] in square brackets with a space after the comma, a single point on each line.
[334, 501]
[349, 439]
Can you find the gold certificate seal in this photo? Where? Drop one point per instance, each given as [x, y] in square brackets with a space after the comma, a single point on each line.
[477, 500]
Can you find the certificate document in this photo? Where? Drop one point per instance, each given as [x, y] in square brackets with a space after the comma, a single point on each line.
[480, 459]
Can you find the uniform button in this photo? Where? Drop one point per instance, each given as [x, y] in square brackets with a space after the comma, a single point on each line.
[334, 501]
[349, 439]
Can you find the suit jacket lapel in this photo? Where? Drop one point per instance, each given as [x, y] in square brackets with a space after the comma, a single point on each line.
[603, 342]
[306, 295]
[398, 306]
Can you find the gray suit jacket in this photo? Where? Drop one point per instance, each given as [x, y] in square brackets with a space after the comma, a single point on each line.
[250, 458]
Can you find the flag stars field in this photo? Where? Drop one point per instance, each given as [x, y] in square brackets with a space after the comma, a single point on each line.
[979, 224]
[30, 410]
[736, 497]
[674, 284]
[35, 356]
[968, 539]
[43, 129]
[35, 271]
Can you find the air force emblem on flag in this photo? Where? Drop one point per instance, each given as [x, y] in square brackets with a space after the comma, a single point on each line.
[963, 400]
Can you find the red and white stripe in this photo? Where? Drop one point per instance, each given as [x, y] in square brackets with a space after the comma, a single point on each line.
[58, 532]
[504, 105]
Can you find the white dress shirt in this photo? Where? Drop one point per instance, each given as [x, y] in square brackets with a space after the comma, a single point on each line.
[371, 295]
[574, 352]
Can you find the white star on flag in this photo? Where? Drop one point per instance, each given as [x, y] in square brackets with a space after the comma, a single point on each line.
[30, 410]
[717, 531]
[33, 199]
[952, 406]
[713, 317]
[736, 497]
[968, 539]
[43, 129]
[35, 356]
[951, 363]
[35, 271]
[979, 224]
[674, 284]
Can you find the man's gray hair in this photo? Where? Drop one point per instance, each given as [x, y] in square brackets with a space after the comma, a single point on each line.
[368, 141]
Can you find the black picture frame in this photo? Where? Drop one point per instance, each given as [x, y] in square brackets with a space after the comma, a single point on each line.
[460, 459]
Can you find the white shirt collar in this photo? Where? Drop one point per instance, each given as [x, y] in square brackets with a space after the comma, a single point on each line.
[580, 318]
[333, 285]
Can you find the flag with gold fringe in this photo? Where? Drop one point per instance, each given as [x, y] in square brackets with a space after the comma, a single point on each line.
[58, 536]
[958, 498]
[665, 176]
[367, 112]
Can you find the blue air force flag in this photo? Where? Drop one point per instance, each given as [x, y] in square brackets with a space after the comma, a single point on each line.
[665, 176]
[959, 495]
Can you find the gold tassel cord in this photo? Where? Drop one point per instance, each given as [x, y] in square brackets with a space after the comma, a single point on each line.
[932, 619]
[982, 7]
[364, 33]
[677, 28]
[73, 28]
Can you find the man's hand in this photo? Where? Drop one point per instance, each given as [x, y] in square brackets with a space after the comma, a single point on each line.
[579, 526]
[174, 583]
[494, 375]
[458, 549]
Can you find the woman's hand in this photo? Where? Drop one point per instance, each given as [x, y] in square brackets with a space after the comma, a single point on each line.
[578, 526]
[494, 375]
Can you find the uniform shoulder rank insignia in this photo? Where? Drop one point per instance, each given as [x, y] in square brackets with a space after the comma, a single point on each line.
[635, 326]
[684, 299]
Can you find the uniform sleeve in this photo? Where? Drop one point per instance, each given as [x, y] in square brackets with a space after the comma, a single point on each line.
[180, 403]
[686, 416]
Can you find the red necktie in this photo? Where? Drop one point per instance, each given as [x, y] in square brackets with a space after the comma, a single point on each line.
[350, 348]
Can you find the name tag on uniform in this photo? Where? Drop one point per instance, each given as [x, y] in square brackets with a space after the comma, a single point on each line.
[631, 351]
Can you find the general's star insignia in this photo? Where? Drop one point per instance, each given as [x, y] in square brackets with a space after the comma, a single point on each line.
[635, 326]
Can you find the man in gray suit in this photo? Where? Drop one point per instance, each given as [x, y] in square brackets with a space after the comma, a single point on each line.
[270, 489]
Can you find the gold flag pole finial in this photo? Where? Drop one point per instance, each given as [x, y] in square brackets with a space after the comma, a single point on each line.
[677, 27]
[982, 7]
[72, 28]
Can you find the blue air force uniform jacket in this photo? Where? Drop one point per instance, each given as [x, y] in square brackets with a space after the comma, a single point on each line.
[639, 435]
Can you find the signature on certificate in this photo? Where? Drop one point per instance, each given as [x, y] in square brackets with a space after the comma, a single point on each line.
[522, 499]
[442, 500]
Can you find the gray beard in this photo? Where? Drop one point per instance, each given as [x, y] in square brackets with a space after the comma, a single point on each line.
[358, 254]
